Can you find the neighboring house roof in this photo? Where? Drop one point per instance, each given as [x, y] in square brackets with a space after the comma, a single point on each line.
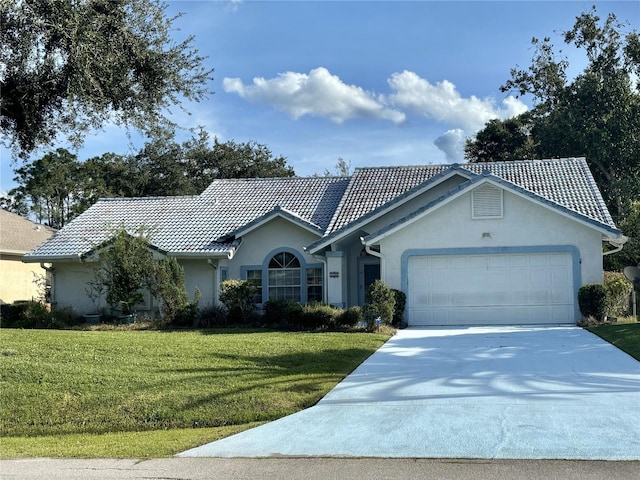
[207, 224]
[18, 235]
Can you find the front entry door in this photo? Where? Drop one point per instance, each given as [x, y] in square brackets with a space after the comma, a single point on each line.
[369, 273]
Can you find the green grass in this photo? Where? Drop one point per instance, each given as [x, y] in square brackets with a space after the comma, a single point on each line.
[152, 393]
[624, 336]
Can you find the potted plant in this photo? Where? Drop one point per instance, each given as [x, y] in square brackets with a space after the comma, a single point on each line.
[128, 307]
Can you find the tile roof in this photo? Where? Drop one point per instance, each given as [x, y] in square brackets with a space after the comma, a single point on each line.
[18, 235]
[196, 224]
[204, 224]
[566, 182]
[240, 201]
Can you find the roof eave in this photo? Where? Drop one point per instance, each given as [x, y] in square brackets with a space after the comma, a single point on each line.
[202, 254]
[8, 251]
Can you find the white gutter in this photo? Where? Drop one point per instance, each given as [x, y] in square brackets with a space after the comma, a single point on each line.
[77, 257]
[232, 253]
[367, 248]
[617, 243]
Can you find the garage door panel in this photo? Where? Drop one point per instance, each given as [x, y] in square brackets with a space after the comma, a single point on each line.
[491, 289]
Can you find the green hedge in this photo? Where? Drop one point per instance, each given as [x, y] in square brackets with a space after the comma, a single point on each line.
[36, 315]
[591, 300]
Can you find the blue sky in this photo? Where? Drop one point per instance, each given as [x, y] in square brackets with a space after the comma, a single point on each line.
[372, 82]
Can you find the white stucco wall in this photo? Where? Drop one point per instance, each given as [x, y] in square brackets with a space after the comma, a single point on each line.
[199, 274]
[69, 286]
[524, 224]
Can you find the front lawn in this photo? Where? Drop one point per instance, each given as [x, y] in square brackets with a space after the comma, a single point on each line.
[624, 336]
[152, 393]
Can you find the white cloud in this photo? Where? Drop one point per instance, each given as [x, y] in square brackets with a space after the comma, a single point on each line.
[232, 5]
[443, 102]
[452, 144]
[318, 93]
[321, 94]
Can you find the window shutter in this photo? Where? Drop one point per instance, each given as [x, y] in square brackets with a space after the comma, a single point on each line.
[486, 202]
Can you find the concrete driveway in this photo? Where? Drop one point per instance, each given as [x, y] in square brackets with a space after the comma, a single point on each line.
[476, 392]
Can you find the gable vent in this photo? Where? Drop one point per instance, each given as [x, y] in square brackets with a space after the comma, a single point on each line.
[486, 202]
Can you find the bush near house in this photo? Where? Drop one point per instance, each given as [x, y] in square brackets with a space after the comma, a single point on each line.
[617, 290]
[317, 316]
[398, 310]
[237, 296]
[211, 316]
[592, 301]
[607, 301]
[380, 305]
[312, 316]
[36, 315]
[282, 313]
[349, 318]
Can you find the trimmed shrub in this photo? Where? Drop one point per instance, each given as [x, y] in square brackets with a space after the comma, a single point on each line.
[283, 313]
[63, 317]
[380, 304]
[398, 310]
[168, 285]
[617, 290]
[211, 316]
[237, 296]
[592, 301]
[185, 316]
[37, 315]
[318, 315]
[349, 318]
[10, 314]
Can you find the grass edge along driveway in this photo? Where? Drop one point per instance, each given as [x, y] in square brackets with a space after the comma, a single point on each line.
[625, 336]
[146, 394]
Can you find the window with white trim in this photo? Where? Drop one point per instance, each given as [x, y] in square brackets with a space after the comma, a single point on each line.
[255, 278]
[284, 277]
[314, 284]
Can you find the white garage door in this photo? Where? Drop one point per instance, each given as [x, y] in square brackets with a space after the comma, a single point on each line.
[514, 288]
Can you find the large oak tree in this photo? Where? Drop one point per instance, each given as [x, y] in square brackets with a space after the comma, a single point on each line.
[69, 66]
[58, 187]
[596, 114]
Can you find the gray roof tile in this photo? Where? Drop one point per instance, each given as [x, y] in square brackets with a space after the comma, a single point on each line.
[567, 182]
[196, 225]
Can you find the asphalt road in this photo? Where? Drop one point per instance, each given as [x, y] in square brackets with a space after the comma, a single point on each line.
[314, 469]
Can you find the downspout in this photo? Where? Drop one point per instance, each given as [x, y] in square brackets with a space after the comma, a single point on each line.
[52, 271]
[216, 282]
[367, 248]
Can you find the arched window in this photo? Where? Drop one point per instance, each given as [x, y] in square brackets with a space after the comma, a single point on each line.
[284, 277]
